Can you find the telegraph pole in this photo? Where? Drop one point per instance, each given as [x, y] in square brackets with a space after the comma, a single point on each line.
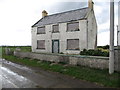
[111, 55]
[117, 35]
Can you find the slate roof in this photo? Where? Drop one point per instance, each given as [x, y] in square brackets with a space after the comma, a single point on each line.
[63, 17]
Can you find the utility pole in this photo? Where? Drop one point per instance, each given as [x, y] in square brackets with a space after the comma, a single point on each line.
[119, 24]
[117, 35]
[111, 57]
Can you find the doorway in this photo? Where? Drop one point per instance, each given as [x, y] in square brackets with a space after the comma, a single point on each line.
[55, 46]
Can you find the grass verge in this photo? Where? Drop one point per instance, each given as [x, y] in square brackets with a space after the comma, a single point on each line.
[23, 48]
[83, 73]
[0, 52]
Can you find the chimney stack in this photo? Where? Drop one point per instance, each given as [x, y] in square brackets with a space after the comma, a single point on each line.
[44, 13]
[90, 4]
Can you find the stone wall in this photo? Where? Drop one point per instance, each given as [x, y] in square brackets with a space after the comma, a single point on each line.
[89, 61]
[93, 62]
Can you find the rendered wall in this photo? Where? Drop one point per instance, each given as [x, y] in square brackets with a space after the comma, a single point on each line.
[62, 36]
[86, 35]
[92, 31]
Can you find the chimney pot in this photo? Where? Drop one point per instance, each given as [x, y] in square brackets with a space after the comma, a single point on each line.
[44, 13]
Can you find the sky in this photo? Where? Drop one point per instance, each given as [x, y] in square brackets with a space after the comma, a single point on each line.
[17, 17]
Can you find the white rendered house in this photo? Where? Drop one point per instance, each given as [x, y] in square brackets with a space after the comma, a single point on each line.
[66, 32]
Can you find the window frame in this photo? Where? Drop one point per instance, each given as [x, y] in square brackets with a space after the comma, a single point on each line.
[53, 28]
[37, 45]
[41, 27]
[73, 30]
[73, 49]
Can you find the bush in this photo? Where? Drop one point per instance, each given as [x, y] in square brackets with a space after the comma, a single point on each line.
[95, 52]
[104, 47]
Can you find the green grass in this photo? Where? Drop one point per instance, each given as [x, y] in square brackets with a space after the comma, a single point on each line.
[23, 48]
[84, 73]
[0, 52]
[80, 72]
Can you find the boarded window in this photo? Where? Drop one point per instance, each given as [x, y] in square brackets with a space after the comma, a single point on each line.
[41, 30]
[73, 26]
[40, 44]
[73, 44]
[55, 28]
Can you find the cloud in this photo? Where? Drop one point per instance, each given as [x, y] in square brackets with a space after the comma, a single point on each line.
[103, 38]
[119, 16]
[66, 6]
[17, 17]
[102, 11]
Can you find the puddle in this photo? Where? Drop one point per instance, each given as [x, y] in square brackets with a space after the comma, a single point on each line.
[13, 74]
[16, 65]
[14, 79]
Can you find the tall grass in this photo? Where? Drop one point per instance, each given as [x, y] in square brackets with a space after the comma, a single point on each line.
[0, 51]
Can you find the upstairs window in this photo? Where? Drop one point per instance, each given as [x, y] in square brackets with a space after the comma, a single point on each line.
[73, 44]
[40, 44]
[55, 29]
[73, 26]
[41, 30]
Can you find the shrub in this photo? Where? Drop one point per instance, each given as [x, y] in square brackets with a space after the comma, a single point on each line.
[97, 52]
[104, 47]
[61, 53]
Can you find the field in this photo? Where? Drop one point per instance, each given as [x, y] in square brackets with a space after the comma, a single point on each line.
[23, 48]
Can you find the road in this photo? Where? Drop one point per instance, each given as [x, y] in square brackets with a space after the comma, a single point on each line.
[11, 79]
[19, 76]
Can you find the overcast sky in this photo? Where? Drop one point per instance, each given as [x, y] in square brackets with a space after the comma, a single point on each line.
[17, 17]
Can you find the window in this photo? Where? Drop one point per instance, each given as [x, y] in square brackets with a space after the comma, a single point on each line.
[73, 44]
[41, 30]
[55, 28]
[73, 26]
[40, 44]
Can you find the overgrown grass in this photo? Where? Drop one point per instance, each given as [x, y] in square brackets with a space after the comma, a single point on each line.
[0, 52]
[84, 73]
[23, 48]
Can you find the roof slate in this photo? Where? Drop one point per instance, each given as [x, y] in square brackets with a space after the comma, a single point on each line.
[63, 17]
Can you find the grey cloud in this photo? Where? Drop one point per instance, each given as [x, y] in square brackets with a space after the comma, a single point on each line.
[119, 10]
[66, 6]
[104, 16]
[103, 30]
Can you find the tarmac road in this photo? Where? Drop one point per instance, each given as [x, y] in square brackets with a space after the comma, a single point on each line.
[19, 76]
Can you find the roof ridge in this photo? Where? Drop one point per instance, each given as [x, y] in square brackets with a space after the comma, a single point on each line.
[84, 10]
[67, 11]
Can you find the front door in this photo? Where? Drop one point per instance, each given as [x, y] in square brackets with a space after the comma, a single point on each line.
[55, 46]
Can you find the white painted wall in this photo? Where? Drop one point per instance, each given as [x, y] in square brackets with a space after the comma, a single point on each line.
[92, 31]
[86, 36]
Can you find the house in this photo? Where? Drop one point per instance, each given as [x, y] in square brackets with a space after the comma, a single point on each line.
[66, 32]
